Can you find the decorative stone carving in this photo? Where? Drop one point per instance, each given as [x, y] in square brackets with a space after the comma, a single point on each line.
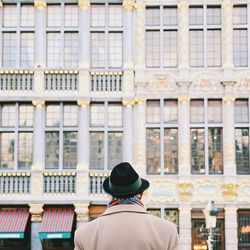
[128, 103]
[185, 191]
[40, 4]
[161, 82]
[184, 99]
[227, 4]
[84, 4]
[83, 103]
[128, 4]
[38, 103]
[82, 212]
[36, 211]
[229, 191]
[229, 99]
[140, 100]
[140, 5]
[183, 5]
[244, 85]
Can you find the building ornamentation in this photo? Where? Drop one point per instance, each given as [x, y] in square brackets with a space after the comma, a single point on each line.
[128, 103]
[185, 191]
[82, 212]
[36, 211]
[244, 191]
[140, 5]
[228, 99]
[184, 99]
[140, 100]
[1, 4]
[83, 103]
[229, 191]
[244, 85]
[128, 4]
[227, 4]
[183, 5]
[40, 4]
[38, 103]
[84, 4]
[161, 83]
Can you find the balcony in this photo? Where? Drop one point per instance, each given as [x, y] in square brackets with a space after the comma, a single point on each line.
[95, 183]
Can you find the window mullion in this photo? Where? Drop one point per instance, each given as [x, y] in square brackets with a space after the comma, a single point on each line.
[206, 131]
[106, 136]
[16, 139]
[106, 34]
[161, 138]
[161, 30]
[205, 28]
[61, 138]
[248, 35]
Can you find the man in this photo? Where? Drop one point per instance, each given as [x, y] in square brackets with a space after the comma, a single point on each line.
[126, 225]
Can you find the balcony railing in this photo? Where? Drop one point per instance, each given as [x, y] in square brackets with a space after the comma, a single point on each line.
[95, 183]
[14, 183]
[59, 183]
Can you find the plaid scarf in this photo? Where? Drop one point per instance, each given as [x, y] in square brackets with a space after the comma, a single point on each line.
[126, 201]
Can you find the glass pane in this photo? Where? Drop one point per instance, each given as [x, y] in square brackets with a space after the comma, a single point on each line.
[197, 111]
[115, 115]
[26, 115]
[9, 49]
[53, 49]
[240, 15]
[69, 149]
[170, 46]
[215, 151]
[52, 150]
[170, 111]
[53, 15]
[241, 114]
[242, 150]
[8, 115]
[7, 141]
[115, 49]
[196, 15]
[213, 15]
[97, 15]
[155, 212]
[53, 115]
[153, 151]
[96, 150]
[198, 151]
[115, 15]
[71, 15]
[114, 149]
[196, 48]
[27, 16]
[153, 16]
[97, 114]
[172, 215]
[214, 111]
[70, 115]
[240, 47]
[170, 16]
[9, 15]
[153, 48]
[153, 112]
[213, 48]
[244, 228]
[98, 49]
[25, 144]
[27, 49]
[71, 50]
[170, 151]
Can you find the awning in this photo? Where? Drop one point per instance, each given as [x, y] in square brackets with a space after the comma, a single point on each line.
[57, 223]
[13, 223]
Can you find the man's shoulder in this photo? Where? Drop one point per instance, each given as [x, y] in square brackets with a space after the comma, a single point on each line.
[87, 227]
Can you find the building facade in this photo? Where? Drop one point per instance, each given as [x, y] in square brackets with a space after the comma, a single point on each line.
[86, 84]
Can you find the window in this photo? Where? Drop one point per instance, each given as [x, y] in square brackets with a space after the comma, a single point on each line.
[106, 130]
[161, 36]
[243, 229]
[240, 47]
[62, 35]
[18, 39]
[16, 135]
[162, 137]
[242, 124]
[205, 36]
[206, 136]
[106, 35]
[61, 136]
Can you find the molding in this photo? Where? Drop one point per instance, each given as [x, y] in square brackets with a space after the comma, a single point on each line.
[230, 191]
[184, 99]
[228, 99]
[128, 103]
[40, 4]
[84, 4]
[140, 100]
[140, 5]
[38, 103]
[83, 103]
[36, 211]
[183, 5]
[227, 5]
[185, 191]
[128, 4]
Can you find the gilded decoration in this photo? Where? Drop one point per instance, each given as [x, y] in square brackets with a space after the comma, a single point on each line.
[185, 191]
[228, 99]
[140, 100]
[38, 103]
[36, 211]
[40, 4]
[128, 4]
[83, 103]
[184, 99]
[161, 82]
[140, 5]
[82, 212]
[128, 103]
[227, 5]
[183, 5]
[84, 4]
[229, 191]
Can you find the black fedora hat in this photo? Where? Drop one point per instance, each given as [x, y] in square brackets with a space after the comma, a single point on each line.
[124, 181]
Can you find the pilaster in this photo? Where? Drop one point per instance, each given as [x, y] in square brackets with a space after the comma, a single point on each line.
[84, 82]
[231, 228]
[82, 213]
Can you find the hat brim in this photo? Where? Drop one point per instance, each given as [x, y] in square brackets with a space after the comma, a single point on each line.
[144, 185]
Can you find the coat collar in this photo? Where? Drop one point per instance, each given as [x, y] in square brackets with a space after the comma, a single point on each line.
[124, 208]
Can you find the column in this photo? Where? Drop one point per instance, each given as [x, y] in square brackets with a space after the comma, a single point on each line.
[84, 43]
[128, 130]
[228, 131]
[36, 211]
[183, 35]
[231, 228]
[82, 213]
[227, 33]
[185, 227]
[140, 134]
[1, 24]
[184, 132]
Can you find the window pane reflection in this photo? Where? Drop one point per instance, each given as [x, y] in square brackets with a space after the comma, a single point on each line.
[70, 115]
[241, 114]
[214, 111]
[153, 111]
[52, 149]
[26, 115]
[7, 141]
[8, 115]
[25, 145]
[97, 114]
[69, 150]
[115, 115]
[170, 111]
[114, 149]
[96, 150]
[197, 111]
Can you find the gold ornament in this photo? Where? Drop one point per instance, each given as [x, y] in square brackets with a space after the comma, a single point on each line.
[184, 99]
[228, 99]
[128, 4]
[83, 103]
[38, 103]
[185, 191]
[40, 4]
[36, 211]
[230, 191]
[84, 4]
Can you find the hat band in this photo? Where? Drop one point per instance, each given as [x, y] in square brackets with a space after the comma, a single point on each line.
[126, 189]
